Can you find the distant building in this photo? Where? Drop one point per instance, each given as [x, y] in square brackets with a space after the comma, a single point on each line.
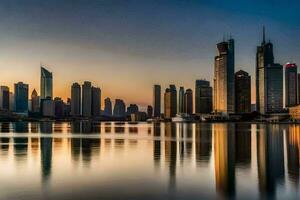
[47, 107]
[87, 99]
[157, 100]
[181, 100]
[170, 102]
[67, 108]
[35, 102]
[107, 107]
[4, 98]
[291, 84]
[224, 78]
[298, 89]
[96, 101]
[149, 111]
[75, 100]
[139, 116]
[132, 108]
[119, 108]
[188, 102]
[203, 97]
[21, 97]
[242, 92]
[46, 83]
[59, 107]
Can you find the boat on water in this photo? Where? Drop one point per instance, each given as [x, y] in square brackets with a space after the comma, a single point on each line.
[182, 118]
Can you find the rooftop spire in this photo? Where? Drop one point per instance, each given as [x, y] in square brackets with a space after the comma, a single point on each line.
[264, 35]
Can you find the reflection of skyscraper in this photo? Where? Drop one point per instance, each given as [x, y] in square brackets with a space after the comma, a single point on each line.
[243, 144]
[203, 97]
[87, 99]
[291, 84]
[203, 142]
[224, 78]
[270, 160]
[181, 100]
[21, 97]
[224, 159]
[107, 107]
[156, 100]
[46, 157]
[75, 100]
[46, 83]
[242, 92]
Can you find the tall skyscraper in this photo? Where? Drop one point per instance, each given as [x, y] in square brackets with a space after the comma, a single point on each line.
[75, 100]
[119, 108]
[46, 83]
[203, 97]
[242, 92]
[291, 84]
[35, 102]
[87, 99]
[181, 100]
[4, 98]
[96, 101]
[224, 78]
[188, 102]
[157, 100]
[107, 107]
[21, 97]
[170, 102]
[266, 98]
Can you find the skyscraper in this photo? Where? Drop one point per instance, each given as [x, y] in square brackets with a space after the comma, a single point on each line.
[75, 100]
[21, 97]
[291, 84]
[156, 100]
[46, 83]
[149, 111]
[87, 99]
[170, 102]
[181, 100]
[203, 97]
[35, 102]
[266, 98]
[188, 102]
[224, 78]
[119, 108]
[242, 92]
[4, 98]
[107, 107]
[96, 101]
[132, 109]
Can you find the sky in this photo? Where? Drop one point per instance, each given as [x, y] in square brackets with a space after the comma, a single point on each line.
[126, 46]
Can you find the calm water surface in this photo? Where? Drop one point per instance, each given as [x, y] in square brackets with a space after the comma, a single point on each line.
[86, 160]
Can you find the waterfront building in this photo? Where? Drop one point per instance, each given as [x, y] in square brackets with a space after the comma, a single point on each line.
[75, 100]
[203, 97]
[47, 107]
[11, 101]
[291, 84]
[4, 98]
[107, 107]
[21, 97]
[59, 107]
[119, 108]
[46, 83]
[35, 102]
[181, 100]
[87, 99]
[170, 102]
[149, 111]
[188, 102]
[157, 100]
[132, 108]
[298, 97]
[96, 101]
[224, 78]
[242, 92]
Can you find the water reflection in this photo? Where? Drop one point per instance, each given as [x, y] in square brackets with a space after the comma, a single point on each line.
[206, 156]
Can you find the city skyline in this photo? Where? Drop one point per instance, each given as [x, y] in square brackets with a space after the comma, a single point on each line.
[140, 63]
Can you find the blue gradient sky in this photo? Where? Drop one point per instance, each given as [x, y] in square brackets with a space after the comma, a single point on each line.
[126, 46]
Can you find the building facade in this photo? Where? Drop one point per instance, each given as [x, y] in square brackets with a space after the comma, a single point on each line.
[4, 98]
[119, 108]
[188, 102]
[157, 100]
[107, 107]
[242, 92]
[21, 97]
[96, 101]
[291, 84]
[75, 100]
[203, 97]
[170, 102]
[87, 99]
[46, 83]
[35, 102]
[181, 100]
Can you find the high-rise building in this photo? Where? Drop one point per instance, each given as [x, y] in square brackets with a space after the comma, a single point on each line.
[47, 107]
[59, 107]
[157, 100]
[149, 111]
[224, 78]
[203, 97]
[87, 99]
[21, 97]
[35, 102]
[291, 84]
[4, 98]
[119, 108]
[107, 107]
[266, 98]
[12, 101]
[188, 102]
[132, 109]
[298, 79]
[46, 83]
[75, 100]
[96, 101]
[242, 92]
[181, 100]
[170, 102]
